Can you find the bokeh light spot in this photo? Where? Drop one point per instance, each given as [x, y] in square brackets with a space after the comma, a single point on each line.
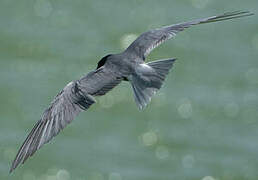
[208, 178]
[185, 109]
[252, 75]
[63, 175]
[188, 161]
[149, 138]
[43, 8]
[114, 176]
[162, 152]
[127, 39]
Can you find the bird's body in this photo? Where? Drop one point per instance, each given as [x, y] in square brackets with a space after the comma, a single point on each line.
[146, 79]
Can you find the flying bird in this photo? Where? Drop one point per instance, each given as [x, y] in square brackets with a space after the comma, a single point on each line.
[145, 78]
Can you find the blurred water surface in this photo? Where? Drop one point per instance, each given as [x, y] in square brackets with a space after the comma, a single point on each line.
[203, 124]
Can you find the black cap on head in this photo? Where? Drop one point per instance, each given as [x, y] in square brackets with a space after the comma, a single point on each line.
[103, 61]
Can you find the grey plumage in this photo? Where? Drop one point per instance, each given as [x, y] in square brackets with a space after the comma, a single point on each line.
[149, 40]
[146, 79]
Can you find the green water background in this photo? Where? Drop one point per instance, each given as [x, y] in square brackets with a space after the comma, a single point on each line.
[202, 125]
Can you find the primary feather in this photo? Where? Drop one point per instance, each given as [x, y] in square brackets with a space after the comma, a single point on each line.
[74, 98]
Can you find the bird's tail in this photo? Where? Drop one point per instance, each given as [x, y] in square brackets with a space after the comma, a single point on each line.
[149, 79]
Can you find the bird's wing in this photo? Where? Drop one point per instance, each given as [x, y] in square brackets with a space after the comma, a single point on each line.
[149, 40]
[66, 105]
[100, 81]
[74, 98]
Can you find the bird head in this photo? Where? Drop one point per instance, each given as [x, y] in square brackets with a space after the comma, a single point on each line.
[103, 61]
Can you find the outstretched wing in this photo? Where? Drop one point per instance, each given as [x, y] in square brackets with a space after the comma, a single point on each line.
[74, 98]
[149, 40]
[66, 105]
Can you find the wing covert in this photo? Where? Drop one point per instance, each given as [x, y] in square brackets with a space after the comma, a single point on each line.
[100, 81]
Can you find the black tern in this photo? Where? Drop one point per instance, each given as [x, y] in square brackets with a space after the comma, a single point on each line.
[146, 79]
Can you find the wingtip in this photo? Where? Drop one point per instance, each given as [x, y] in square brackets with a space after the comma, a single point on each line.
[173, 60]
[239, 12]
[11, 170]
[251, 13]
[14, 165]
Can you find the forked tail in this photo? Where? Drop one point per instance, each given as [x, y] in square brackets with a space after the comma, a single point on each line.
[149, 79]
